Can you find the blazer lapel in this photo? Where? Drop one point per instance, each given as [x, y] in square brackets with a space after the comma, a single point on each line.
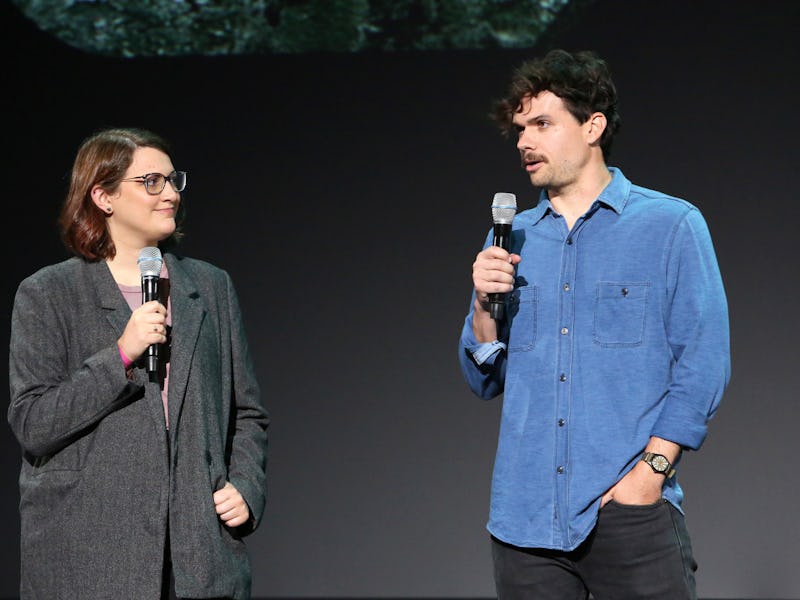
[188, 312]
[109, 298]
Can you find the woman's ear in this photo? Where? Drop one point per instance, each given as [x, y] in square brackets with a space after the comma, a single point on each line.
[101, 199]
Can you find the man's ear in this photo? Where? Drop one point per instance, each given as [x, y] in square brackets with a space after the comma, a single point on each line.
[596, 125]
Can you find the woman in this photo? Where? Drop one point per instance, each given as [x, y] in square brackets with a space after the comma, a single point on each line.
[133, 486]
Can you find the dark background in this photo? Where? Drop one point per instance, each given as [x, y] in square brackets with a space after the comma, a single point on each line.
[347, 194]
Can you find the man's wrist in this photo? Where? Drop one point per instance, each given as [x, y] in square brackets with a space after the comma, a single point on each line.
[482, 303]
[659, 463]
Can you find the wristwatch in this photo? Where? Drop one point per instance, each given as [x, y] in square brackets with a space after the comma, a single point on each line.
[659, 464]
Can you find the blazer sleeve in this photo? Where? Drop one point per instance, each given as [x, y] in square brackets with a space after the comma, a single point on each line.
[247, 469]
[55, 394]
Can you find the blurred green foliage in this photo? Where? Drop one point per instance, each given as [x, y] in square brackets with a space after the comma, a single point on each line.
[185, 27]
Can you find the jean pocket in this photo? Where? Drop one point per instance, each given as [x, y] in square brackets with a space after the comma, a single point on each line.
[651, 506]
[619, 314]
[522, 304]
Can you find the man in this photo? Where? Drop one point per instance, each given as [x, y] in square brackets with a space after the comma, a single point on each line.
[612, 356]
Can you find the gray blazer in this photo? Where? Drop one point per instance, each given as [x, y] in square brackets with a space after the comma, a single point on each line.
[101, 486]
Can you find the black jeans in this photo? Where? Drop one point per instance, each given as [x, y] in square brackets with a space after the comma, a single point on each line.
[633, 553]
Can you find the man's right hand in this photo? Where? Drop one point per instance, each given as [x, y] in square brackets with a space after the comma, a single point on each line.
[492, 272]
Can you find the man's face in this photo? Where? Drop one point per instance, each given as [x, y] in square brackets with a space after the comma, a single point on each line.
[553, 146]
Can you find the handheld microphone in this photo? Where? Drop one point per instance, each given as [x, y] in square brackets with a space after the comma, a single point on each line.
[504, 207]
[150, 267]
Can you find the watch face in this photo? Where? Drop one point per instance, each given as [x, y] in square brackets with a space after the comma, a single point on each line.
[659, 463]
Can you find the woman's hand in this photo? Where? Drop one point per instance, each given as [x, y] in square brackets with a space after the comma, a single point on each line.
[147, 325]
[230, 506]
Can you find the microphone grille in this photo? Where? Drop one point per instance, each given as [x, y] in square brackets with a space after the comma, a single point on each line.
[150, 261]
[504, 207]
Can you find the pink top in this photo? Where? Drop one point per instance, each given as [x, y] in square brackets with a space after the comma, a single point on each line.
[133, 296]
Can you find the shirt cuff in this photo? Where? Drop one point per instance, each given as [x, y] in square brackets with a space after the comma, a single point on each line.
[486, 352]
[127, 362]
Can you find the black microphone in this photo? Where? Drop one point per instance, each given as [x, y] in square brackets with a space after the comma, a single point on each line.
[150, 267]
[504, 207]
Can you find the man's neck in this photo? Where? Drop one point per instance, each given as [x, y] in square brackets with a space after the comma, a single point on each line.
[572, 201]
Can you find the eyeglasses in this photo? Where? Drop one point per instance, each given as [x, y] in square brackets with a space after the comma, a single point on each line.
[155, 183]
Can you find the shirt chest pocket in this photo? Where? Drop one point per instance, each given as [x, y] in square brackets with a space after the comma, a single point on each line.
[522, 315]
[619, 313]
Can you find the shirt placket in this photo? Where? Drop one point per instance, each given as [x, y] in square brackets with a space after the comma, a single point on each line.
[564, 372]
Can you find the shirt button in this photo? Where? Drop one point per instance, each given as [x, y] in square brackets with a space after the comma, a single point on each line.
[569, 241]
[562, 377]
[564, 331]
[560, 470]
[561, 422]
[566, 287]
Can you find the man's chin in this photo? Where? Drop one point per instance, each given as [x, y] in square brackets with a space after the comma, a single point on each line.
[537, 180]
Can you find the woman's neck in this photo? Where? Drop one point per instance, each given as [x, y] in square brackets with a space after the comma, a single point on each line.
[124, 266]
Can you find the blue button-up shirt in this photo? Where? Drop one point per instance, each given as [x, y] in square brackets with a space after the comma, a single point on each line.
[616, 331]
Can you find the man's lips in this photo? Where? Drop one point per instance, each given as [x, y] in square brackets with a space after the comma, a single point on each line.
[532, 163]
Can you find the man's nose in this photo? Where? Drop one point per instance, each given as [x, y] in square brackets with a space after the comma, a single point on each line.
[526, 139]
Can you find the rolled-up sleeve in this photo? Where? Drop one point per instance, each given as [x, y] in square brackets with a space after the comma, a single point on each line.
[698, 333]
[482, 363]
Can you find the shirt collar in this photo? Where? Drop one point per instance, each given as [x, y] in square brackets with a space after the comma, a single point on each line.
[614, 195]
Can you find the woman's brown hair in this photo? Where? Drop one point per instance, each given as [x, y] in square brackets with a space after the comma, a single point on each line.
[103, 160]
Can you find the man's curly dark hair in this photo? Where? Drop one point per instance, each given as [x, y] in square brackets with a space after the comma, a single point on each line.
[582, 80]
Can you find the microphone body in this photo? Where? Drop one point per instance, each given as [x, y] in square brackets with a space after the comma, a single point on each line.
[504, 207]
[150, 267]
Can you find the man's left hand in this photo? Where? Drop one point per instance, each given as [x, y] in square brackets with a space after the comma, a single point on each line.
[641, 485]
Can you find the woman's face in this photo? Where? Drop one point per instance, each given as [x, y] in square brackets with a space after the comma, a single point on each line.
[138, 218]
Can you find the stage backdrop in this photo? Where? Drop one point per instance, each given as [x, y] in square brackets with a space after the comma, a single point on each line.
[347, 194]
